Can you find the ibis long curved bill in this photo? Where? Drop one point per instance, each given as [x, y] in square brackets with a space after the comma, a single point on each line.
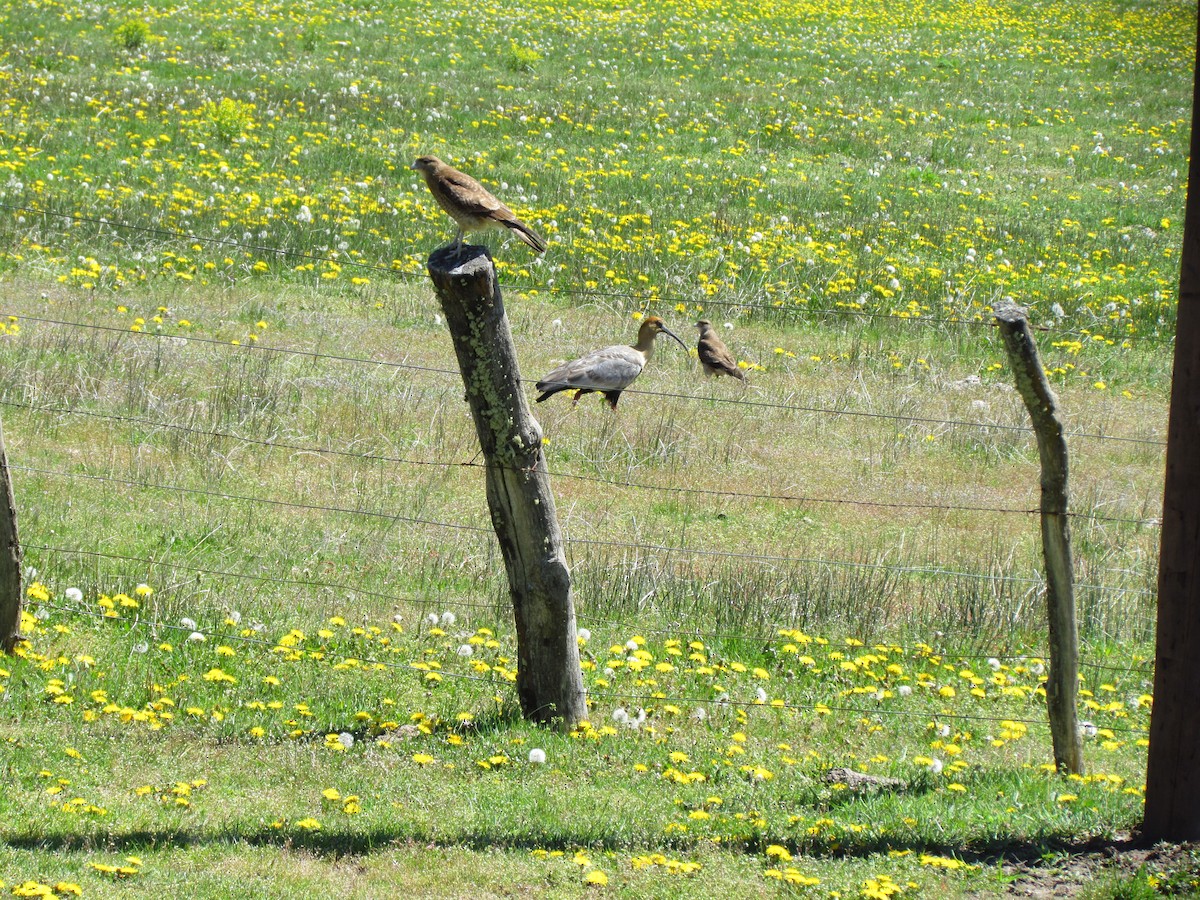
[607, 371]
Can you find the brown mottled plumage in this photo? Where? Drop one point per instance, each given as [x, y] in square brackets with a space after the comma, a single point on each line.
[607, 371]
[715, 357]
[470, 204]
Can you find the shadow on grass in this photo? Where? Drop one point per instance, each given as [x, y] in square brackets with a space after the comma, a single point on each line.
[1020, 850]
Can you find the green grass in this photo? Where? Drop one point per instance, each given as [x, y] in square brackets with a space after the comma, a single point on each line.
[255, 411]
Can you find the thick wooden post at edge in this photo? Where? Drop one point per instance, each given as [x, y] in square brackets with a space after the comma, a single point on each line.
[549, 678]
[1062, 686]
[10, 559]
[1173, 763]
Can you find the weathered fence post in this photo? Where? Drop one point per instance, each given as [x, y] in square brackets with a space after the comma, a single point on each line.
[549, 678]
[10, 559]
[1062, 686]
[1173, 761]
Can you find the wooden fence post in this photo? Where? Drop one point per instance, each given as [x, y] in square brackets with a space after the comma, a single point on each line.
[10, 559]
[1062, 687]
[549, 678]
[1173, 763]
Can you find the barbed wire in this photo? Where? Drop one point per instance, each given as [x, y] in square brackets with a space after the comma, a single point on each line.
[642, 298]
[253, 346]
[666, 550]
[290, 504]
[734, 401]
[653, 298]
[771, 633]
[349, 590]
[275, 443]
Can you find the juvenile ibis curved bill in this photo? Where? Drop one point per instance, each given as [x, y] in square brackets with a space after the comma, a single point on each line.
[470, 204]
[715, 357]
[607, 371]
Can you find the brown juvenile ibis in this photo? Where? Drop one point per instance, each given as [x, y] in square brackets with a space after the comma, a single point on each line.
[607, 371]
[470, 204]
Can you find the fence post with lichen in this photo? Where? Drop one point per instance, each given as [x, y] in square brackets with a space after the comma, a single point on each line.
[549, 677]
[10, 559]
[1062, 686]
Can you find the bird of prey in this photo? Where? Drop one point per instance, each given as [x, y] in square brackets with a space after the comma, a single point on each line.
[470, 204]
[607, 371]
[715, 357]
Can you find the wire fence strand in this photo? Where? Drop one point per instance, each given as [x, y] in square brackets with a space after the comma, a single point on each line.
[768, 634]
[644, 299]
[275, 443]
[695, 398]
[662, 551]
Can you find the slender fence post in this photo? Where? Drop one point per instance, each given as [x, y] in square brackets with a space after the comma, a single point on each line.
[10, 559]
[1062, 687]
[549, 678]
[1173, 763]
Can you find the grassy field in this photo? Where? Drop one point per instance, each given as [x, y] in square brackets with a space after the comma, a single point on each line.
[269, 651]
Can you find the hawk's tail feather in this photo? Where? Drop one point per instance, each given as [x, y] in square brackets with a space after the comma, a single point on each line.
[528, 235]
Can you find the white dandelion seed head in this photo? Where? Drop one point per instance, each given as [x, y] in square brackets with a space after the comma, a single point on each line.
[943, 731]
[346, 739]
[537, 756]
[466, 650]
[880, 695]
[584, 635]
[993, 664]
[42, 614]
[935, 766]
[197, 637]
[631, 645]
[73, 594]
[609, 672]
[699, 714]
[1088, 729]
[620, 716]
[448, 619]
[760, 695]
[432, 618]
[185, 622]
[235, 617]
[904, 690]
[397, 618]
[141, 648]
[1037, 668]
[304, 214]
